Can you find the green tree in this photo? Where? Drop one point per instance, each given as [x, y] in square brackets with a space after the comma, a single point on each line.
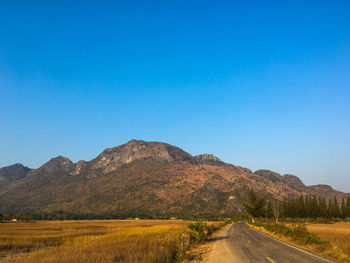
[269, 210]
[300, 207]
[255, 205]
[335, 208]
[322, 207]
[314, 208]
[330, 209]
[277, 210]
[343, 209]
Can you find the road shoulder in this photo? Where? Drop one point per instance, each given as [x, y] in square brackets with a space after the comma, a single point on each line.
[201, 252]
[292, 244]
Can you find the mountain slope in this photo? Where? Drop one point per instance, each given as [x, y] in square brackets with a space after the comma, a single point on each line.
[13, 172]
[149, 178]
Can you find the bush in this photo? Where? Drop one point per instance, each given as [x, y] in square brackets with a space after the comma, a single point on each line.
[199, 232]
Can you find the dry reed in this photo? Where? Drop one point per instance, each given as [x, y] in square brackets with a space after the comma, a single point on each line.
[338, 234]
[94, 241]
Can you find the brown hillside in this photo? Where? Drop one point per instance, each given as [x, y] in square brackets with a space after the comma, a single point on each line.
[149, 178]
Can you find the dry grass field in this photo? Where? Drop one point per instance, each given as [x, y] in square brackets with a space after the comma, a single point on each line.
[338, 234]
[93, 241]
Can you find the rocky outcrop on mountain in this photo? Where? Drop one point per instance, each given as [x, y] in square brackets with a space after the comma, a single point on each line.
[13, 172]
[324, 190]
[245, 169]
[146, 178]
[55, 167]
[112, 158]
[58, 164]
[207, 159]
[294, 182]
[80, 167]
[270, 175]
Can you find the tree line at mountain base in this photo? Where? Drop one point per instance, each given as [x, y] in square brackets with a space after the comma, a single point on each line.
[61, 215]
[303, 207]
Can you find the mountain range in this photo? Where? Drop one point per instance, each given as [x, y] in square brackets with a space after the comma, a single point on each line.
[144, 178]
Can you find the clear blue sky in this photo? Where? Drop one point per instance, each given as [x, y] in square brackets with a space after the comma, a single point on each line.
[261, 85]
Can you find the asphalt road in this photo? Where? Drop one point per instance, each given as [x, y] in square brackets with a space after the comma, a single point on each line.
[240, 243]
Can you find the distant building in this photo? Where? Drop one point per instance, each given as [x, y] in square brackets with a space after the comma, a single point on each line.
[173, 217]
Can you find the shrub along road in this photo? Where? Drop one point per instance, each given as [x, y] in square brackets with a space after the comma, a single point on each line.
[240, 243]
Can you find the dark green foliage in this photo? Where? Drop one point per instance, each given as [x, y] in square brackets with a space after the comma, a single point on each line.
[311, 207]
[347, 209]
[200, 231]
[255, 205]
[269, 210]
[335, 211]
[211, 229]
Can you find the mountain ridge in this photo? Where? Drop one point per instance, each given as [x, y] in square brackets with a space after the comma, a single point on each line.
[150, 178]
[13, 172]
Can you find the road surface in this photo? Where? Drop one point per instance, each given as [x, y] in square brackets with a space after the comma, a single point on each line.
[240, 243]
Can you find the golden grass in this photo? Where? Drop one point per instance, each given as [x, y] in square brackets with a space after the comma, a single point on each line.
[93, 241]
[338, 234]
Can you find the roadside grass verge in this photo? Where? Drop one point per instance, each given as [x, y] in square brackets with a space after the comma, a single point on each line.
[299, 235]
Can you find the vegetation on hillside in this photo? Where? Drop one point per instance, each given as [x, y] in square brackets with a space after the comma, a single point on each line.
[145, 180]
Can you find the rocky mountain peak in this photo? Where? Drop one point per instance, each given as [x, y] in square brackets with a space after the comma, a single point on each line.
[325, 190]
[135, 141]
[112, 158]
[60, 160]
[270, 175]
[293, 181]
[324, 187]
[57, 164]
[13, 172]
[207, 159]
[166, 180]
[247, 170]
